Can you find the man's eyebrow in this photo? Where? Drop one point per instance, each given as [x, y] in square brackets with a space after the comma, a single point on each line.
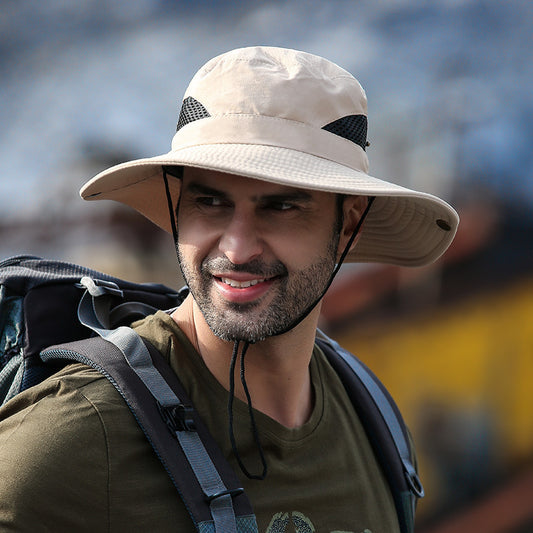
[291, 195]
[288, 196]
[199, 188]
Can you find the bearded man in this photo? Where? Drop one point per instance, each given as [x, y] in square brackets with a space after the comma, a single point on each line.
[266, 192]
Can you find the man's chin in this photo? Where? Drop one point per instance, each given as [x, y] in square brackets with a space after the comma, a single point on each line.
[238, 322]
[250, 322]
[234, 334]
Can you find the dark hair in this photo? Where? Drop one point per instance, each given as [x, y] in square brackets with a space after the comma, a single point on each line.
[339, 221]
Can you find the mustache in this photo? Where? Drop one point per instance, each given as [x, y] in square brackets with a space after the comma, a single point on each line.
[256, 267]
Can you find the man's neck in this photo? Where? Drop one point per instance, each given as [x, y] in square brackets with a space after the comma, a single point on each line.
[277, 369]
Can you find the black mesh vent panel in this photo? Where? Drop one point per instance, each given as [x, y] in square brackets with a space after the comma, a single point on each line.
[351, 127]
[191, 110]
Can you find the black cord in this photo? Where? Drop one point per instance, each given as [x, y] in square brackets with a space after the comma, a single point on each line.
[173, 222]
[352, 238]
[236, 344]
[255, 432]
[235, 353]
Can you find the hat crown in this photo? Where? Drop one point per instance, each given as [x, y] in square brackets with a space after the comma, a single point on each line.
[277, 82]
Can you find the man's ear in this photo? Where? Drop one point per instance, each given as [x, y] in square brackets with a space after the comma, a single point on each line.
[353, 209]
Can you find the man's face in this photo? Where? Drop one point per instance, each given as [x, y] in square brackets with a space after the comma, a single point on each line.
[255, 255]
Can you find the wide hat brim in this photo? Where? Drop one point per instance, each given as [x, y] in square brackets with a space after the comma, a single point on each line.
[403, 227]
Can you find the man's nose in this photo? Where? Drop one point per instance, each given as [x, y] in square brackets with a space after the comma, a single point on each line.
[240, 241]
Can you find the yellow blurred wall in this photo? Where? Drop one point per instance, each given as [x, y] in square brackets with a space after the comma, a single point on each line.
[474, 357]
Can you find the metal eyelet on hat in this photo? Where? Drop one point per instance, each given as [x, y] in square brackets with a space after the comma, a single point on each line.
[442, 224]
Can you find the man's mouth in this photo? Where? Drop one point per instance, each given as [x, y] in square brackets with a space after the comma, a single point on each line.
[243, 291]
[242, 284]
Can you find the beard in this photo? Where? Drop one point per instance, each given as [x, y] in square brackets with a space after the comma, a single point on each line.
[295, 294]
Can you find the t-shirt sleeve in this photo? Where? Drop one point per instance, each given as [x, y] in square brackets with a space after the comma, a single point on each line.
[46, 443]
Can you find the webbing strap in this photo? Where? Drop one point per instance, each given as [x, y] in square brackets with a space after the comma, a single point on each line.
[138, 357]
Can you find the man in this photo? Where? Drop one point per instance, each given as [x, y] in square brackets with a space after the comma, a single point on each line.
[266, 193]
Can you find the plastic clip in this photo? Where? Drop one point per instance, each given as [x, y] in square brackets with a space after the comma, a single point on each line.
[178, 417]
[98, 287]
[232, 492]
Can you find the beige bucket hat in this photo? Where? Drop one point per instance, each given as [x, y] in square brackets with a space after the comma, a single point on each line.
[293, 118]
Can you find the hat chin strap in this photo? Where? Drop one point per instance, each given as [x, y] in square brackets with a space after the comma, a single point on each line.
[173, 222]
[246, 344]
[253, 425]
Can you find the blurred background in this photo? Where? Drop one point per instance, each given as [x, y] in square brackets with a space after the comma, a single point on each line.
[91, 83]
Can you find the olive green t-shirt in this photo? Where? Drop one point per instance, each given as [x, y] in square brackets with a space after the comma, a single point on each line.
[72, 457]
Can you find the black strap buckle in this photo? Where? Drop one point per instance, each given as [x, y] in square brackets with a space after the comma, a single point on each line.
[232, 492]
[178, 417]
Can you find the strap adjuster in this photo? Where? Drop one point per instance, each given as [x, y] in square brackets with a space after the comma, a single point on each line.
[177, 417]
[231, 492]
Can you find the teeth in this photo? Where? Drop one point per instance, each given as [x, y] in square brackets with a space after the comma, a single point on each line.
[241, 284]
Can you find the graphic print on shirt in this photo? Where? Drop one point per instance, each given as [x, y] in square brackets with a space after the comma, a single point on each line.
[281, 523]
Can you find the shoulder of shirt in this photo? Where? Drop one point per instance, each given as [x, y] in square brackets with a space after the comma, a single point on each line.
[75, 380]
[163, 333]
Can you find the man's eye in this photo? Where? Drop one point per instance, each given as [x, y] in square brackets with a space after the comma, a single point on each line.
[209, 201]
[281, 206]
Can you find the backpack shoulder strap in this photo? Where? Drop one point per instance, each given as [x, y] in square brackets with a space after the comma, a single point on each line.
[205, 481]
[384, 425]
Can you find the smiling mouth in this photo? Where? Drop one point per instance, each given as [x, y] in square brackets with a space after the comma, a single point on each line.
[242, 284]
[244, 291]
